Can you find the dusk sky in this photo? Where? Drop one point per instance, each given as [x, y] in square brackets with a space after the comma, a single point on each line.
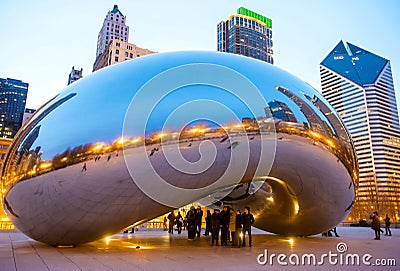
[42, 40]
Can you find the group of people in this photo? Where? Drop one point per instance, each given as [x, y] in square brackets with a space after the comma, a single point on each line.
[174, 220]
[228, 221]
[228, 227]
[192, 222]
[376, 225]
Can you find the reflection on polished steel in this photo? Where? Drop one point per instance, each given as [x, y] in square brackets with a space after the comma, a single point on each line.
[76, 171]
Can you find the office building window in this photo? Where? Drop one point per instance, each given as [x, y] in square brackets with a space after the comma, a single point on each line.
[116, 59]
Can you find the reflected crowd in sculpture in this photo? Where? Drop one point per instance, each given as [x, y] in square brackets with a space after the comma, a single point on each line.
[136, 140]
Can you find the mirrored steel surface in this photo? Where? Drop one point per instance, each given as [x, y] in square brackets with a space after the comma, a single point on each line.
[72, 173]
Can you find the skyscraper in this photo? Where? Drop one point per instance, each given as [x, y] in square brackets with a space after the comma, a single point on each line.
[359, 86]
[74, 75]
[246, 33]
[114, 28]
[12, 106]
[281, 111]
[28, 114]
[112, 44]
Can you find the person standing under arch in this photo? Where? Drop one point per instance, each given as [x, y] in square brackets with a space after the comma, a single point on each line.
[247, 221]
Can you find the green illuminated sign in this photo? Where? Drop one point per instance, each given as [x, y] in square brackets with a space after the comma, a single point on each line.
[252, 14]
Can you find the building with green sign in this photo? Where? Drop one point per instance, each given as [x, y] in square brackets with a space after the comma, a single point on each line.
[246, 33]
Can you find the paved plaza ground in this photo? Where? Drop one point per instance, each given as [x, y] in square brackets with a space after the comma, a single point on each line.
[160, 251]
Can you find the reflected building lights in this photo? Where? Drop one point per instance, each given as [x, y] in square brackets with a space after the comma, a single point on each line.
[296, 208]
[290, 241]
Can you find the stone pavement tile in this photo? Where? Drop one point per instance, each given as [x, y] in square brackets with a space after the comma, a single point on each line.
[85, 261]
[53, 257]
[118, 261]
[6, 253]
[26, 258]
[7, 263]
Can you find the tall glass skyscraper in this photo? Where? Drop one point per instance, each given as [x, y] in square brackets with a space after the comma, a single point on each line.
[12, 106]
[246, 33]
[359, 86]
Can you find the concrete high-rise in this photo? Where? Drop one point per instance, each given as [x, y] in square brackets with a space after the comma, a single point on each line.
[114, 28]
[112, 44]
[246, 33]
[12, 106]
[359, 85]
[119, 51]
[28, 114]
[74, 75]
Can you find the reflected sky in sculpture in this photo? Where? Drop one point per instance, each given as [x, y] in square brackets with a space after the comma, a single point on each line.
[206, 124]
[187, 94]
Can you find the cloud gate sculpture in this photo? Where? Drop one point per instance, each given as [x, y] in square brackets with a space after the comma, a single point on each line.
[136, 140]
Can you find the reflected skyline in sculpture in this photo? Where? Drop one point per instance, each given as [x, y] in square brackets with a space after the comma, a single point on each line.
[169, 129]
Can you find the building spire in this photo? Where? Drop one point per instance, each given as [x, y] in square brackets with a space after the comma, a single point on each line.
[115, 10]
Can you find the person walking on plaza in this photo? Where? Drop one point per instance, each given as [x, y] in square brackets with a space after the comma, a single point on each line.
[179, 222]
[376, 225]
[199, 219]
[238, 231]
[208, 223]
[328, 233]
[171, 222]
[387, 226]
[185, 223]
[232, 226]
[215, 226]
[335, 232]
[191, 223]
[247, 221]
[165, 223]
[225, 226]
